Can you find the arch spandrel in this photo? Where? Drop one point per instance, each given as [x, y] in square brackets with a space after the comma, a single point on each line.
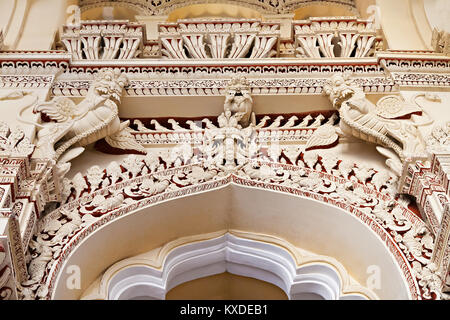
[377, 196]
[111, 202]
[192, 222]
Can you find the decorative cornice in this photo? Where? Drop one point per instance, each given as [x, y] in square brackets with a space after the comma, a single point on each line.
[315, 37]
[382, 73]
[216, 87]
[104, 39]
[26, 81]
[416, 69]
[210, 77]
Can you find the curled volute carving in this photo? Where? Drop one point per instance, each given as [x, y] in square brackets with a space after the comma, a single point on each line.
[13, 142]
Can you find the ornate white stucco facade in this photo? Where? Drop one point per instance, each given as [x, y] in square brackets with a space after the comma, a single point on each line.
[304, 143]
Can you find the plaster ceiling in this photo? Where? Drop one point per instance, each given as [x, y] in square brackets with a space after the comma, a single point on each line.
[438, 13]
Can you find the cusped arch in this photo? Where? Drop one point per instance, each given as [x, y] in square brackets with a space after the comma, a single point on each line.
[265, 258]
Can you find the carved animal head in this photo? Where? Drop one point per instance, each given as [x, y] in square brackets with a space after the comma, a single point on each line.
[339, 88]
[238, 91]
[238, 101]
[109, 84]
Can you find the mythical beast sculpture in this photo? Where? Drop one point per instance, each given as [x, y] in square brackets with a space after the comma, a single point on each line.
[239, 101]
[391, 123]
[68, 127]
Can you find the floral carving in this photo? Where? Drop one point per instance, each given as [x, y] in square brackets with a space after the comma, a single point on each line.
[103, 40]
[94, 177]
[6, 275]
[13, 142]
[315, 38]
[59, 227]
[439, 138]
[100, 204]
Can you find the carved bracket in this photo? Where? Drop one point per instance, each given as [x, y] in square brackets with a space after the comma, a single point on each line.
[336, 37]
[219, 39]
[93, 40]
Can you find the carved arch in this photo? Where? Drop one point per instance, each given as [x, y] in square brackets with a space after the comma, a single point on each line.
[195, 181]
[265, 258]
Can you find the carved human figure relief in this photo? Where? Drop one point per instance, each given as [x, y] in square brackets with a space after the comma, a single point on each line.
[391, 123]
[227, 145]
[439, 138]
[375, 18]
[66, 128]
[440, 41]
[239, 101]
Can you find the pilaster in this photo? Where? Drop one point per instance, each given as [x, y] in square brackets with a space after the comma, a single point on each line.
[7, 270]
[428, 182]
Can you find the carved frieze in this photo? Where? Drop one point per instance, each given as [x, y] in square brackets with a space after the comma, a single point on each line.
[219, 39]
[440, 41]
[335, 37]
[269, 128]
[152, 182]
[237, 147]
